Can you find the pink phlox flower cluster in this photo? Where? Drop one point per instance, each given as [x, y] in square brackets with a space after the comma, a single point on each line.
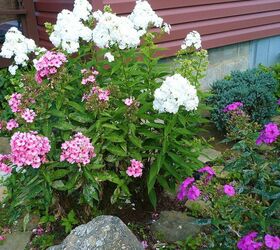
[29, 149]
[233, 106]
[187, 189]
[209, 171]
[128, 101]
[78, 150]
[38, 231]
[103, 95]
[4, 159]
[11, 124]
[269, 134]
[15, 102]
[248, 242]
[135, 169]
[2, 238]
[48, 65]
[229, 190]
[28, 115]
[91, 78]
[272, 242]
[144, 244]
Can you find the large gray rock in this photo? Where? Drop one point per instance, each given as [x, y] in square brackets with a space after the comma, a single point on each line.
[175, 226]
[102, 233]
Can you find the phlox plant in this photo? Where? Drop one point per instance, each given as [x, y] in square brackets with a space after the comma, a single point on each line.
[90, 126]
[241, 199]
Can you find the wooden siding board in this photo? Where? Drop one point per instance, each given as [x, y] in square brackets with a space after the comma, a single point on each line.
[227, 38]
[220, 22]
[206, 12]
[184, 15]
[126, 6]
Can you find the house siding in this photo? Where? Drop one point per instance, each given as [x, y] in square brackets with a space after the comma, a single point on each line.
[220, 22]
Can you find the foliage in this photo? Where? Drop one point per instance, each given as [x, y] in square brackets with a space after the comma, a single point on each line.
[254, 88]
[166, 144]
[193, 64]
[8, 85]
[275, 70]
[42, 242]
[253, 170]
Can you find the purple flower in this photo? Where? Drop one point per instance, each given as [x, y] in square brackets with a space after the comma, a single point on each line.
[193, 193]
[272, 242]
[183, 188]
[229, 190]
[248, 242]
[233, 106]
[278, 102]
[210, 172]
[144, 244]
[269, 134]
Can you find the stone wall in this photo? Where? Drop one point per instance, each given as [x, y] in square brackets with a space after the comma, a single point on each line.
[224, 60]
[241, 56]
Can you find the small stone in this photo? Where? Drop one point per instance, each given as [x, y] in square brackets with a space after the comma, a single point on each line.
[102, 233]
[175, 226]
[16, 241]
[209, 154]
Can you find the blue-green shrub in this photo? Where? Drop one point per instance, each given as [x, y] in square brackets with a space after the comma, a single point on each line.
[254, 88]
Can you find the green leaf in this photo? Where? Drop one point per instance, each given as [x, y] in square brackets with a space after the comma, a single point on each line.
[115, 138]
[154, 170]
[135, 140]
[108, 176]
[153, 197]
[90, 193]
[26, 221]
[110, 126]
[59, 185]
[177, 159]
[163, 182]
[116, 150]
[62, 125]
[57, 113]
[77, 106]
[82, 118]
[59, 101]
[58, 174]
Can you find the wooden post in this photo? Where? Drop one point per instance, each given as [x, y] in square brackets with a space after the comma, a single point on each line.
[29, 21]
[97, 4]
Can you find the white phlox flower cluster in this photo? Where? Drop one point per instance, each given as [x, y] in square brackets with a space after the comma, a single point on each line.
[17, 46]
[109, 57]
[82, 9]
[175, 91]
[192, 39]
[143, 17]
[114, 30]
[69, 28]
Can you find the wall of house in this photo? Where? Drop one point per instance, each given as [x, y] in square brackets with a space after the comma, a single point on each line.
[7, 4]
[221, 22]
